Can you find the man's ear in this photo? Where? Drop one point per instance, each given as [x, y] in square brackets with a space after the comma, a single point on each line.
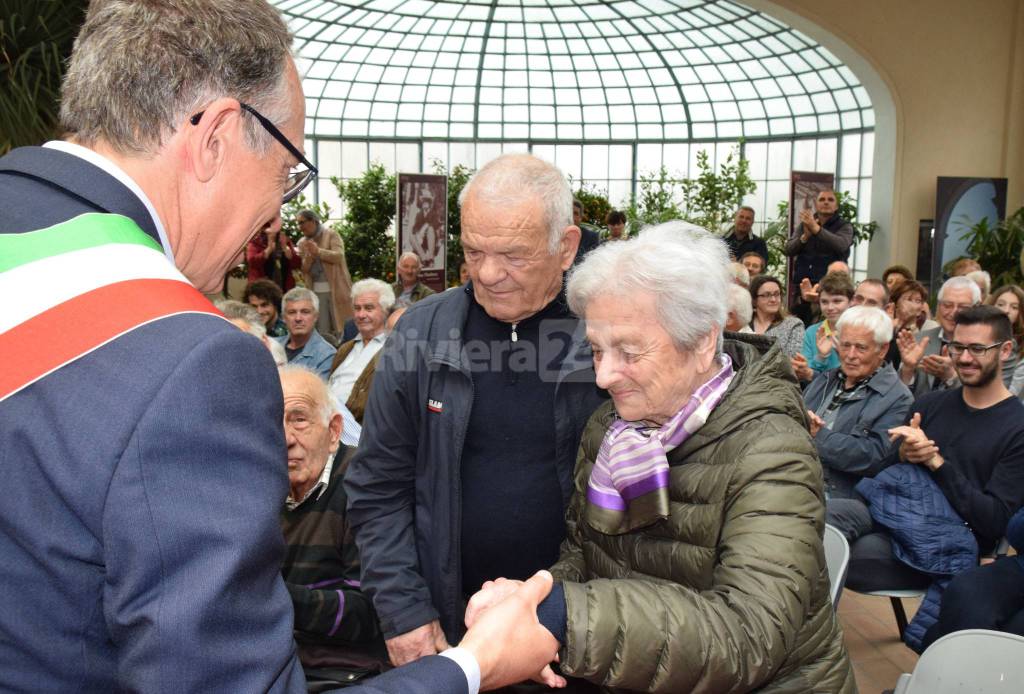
[570, 244]
[334, 429]
[704, 353]
[209, 141]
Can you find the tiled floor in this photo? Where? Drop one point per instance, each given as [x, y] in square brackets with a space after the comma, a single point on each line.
[878, 655]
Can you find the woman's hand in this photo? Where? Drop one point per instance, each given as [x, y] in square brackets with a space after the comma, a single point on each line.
[825, 341]
[801, 368]
[911, 350]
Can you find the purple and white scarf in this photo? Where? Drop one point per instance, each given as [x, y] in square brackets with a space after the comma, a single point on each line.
[628, 486]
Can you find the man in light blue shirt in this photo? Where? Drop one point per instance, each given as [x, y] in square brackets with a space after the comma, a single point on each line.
[303, 344]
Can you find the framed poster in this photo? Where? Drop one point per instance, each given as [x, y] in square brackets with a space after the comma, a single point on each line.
[959, 204]
[804, 187]
[422, 224]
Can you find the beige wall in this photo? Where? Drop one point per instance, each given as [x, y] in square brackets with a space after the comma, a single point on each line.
[947, 80]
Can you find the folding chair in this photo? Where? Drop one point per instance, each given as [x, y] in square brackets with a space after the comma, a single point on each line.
[837, 559]
[973, 660]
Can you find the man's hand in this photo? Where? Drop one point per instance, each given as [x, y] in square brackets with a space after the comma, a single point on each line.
[507, 640]
[816, 423]
[807, 219]
[939, 366]
[490, 594]
[413, 645]
[808, 292]
[824, 341]
[911, 350]
[801, 368]
[916, 448]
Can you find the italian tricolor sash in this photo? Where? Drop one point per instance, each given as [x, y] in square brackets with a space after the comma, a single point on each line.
[71, 288]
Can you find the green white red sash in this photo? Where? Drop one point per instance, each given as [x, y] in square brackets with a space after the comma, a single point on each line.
[71, 288]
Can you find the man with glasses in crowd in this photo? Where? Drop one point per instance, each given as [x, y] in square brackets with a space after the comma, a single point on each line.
[925, 364]
[969, 438]
[141, 546]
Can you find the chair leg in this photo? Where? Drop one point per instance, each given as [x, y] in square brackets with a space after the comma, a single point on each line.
[900, 614]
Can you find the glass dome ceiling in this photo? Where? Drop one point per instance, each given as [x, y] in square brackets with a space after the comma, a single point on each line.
[566, 70]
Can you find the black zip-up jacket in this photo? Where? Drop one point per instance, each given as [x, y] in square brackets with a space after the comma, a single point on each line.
[403, 486]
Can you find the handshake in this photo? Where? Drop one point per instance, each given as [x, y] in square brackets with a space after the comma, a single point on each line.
[504, 635]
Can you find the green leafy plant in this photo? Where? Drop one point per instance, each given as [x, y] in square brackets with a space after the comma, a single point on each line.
[656, 201]
[35, 39]
[369, 213]
[711, 199]
[999, 248]
[595, 205]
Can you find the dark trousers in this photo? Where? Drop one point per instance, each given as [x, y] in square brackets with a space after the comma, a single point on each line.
[985, 597]
[873, 566]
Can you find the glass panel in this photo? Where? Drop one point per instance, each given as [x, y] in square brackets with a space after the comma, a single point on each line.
[353, 159]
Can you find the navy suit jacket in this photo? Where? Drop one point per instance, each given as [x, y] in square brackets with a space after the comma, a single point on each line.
[431, 675]
[139, 535]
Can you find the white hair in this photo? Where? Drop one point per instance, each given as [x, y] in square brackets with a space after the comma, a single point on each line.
[961, 282]
[385, 294]
[870, 318]
[410, 254]
[682, 265]
[982, 279]
[245, 312]
[738, 301]
[740, 273]
[321, 395]
[515, 178]
[301, 294]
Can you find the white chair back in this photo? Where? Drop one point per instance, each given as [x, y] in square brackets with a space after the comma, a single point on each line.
[964, 662]
[837, 558]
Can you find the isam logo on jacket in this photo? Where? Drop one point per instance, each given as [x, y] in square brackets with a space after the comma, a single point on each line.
[435, 405]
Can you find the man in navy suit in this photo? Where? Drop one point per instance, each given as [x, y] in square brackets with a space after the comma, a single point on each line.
[139, 534]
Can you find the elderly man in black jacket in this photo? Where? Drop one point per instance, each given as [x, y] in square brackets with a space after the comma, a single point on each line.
[472, 427]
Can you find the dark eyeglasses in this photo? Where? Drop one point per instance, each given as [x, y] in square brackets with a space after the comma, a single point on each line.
[300, 175]
[976, 350]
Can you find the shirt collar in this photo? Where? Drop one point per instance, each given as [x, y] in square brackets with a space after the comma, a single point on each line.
[379, 337]
[101, 162]
[317, 490]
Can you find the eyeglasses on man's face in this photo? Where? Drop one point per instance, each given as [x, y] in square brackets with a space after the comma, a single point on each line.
[300, 175]
[976, 350]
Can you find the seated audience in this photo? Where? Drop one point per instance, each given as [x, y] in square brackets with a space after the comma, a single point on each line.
[273, 256]
[970, 442]
[590, 236]
[754, 262]
[265, 297]
[990, 596]
[247, 319]
[335, 623]
[616, 223]
[693, 556]
[852, 407]
[818, 351]
[356, 361]
[870, 292]
[1010, 300]
[908, 307]
[924, 363]
[740, 310]
[303, 344]
[771, 319]
[741, 239]
[809, 290]
[408, 289]
[894, 275]
[740, 274]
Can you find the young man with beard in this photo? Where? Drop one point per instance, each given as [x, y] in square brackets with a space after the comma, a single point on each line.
[969, 438]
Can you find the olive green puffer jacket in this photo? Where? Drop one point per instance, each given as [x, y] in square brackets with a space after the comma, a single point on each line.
[731, 592]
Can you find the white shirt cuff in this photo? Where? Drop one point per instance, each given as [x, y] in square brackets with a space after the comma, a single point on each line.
[465, 660]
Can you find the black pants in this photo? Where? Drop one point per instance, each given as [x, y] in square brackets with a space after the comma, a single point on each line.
[985, 597]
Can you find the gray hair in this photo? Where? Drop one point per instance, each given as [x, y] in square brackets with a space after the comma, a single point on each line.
[740, 273]
[385, 294]
[682, 265]
[301, 294]
[139, 69]
[748, 208]
[961, 282]
[321, 394]
[738, 300]
[411, 254]
[238, 311]
[874, 319]
[515, 178]
[981, 278]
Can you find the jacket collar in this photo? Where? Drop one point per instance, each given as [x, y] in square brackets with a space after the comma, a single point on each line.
[882, 381]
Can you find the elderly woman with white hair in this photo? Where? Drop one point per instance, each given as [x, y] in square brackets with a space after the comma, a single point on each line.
[693, 559]
[852, 408]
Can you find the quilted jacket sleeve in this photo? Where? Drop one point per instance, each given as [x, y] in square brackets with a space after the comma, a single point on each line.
[659, 636]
